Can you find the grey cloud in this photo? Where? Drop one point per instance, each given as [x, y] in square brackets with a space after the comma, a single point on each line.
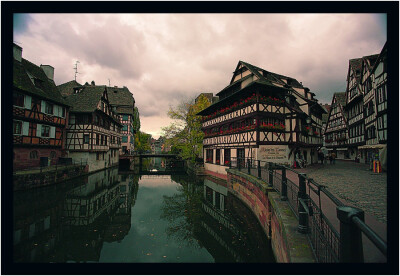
[163, 59]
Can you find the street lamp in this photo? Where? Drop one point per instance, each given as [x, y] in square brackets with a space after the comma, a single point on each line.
[308, 121]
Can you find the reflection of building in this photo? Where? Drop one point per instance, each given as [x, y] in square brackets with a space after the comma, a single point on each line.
[39, 114]
[37, 223]
[261, 115]
[336, 127]
[94, 129]
[232, 226]
[84, 204]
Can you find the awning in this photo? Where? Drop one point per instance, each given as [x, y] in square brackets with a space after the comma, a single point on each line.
[378, 146]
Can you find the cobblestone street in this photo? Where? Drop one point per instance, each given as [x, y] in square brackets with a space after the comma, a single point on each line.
[354, 183]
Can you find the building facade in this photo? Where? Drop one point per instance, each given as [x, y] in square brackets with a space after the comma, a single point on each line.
[375, 106]
[261, 116]
[123, 102]
[336, 130]
[40, 114]
[94, 129]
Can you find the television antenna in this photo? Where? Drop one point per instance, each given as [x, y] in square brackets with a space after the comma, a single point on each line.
[76, 68]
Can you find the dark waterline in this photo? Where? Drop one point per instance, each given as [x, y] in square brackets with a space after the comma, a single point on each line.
[109, 217]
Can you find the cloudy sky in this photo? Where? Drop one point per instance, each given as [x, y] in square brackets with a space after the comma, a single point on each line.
[166, 58]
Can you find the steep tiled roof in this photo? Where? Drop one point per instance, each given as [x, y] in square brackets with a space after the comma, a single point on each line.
[67, 89]
[22, 80]
[340, 98]
[125, 110]
[372, 59]
[87, 99]
[356, 64]
[120, 96]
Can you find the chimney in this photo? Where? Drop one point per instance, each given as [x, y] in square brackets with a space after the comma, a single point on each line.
[17, 51]
[92, 83]
[48, 70]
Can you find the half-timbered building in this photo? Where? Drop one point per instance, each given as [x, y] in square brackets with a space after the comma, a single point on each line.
[375, 105]
[123, 102]
[354, 107]
[261, 115]
[39, 114]
[94, 129]
[336, 131]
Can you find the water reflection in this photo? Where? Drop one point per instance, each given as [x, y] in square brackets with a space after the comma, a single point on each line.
[70, 221]
[112, 217]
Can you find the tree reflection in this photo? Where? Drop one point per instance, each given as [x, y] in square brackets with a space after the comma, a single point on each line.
[183, 212]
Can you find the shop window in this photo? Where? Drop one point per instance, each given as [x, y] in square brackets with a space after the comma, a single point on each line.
[18, 99]
[33, 154]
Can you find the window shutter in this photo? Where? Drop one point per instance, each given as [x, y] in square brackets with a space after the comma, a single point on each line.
[25, 128]
[52, 132]
[43, 106]
[39, 130]
[28, 102]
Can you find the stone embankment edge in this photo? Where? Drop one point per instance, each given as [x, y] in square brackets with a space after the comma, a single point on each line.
[298, 246]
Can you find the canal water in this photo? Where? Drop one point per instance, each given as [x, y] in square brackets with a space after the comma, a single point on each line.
[118, 217]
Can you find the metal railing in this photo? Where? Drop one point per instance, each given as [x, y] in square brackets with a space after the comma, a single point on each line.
[53, 165]
[334, 236]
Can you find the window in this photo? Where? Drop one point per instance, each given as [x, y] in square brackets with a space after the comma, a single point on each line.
[125, 128]
[33, 154]
[17, 127]
[97, 139]
[227, 157]
[105, 140]
[18, 99]
[101, 136]
[48, 108]
[53, 154]
[63, 112]
[82, 210]
[86, 138]
[217, 156]
[124, 139]
[125, 117]
[209, 156]
[45, 131]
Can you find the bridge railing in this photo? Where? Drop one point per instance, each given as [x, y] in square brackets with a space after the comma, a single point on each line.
[334, 236]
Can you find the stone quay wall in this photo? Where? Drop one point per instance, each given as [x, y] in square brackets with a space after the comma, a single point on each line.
[275, 216]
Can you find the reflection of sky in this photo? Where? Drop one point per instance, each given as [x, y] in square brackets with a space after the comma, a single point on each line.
[147, 240]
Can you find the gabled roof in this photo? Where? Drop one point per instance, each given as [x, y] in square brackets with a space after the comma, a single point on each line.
[25, 70]
[67, 89]
[87, 99]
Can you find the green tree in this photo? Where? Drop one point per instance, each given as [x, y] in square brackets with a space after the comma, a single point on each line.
[136, 119]
[185, 134]
[142, 141]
